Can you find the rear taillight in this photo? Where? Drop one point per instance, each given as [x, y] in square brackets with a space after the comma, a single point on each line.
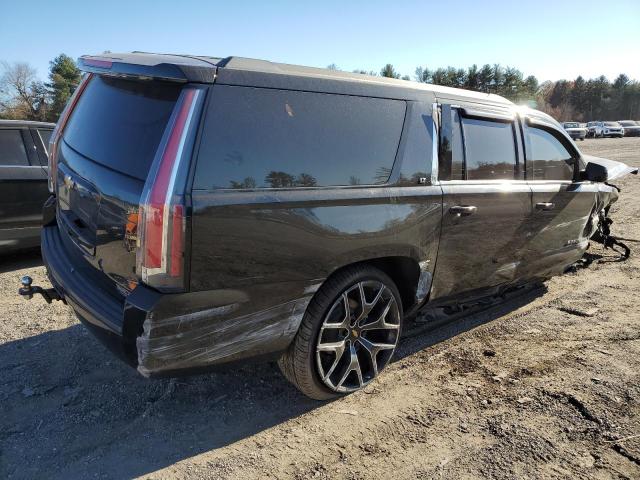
[59, 128]
[162, 213]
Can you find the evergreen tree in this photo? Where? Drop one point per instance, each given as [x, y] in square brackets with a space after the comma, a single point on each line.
[389, 72]
[64, 77]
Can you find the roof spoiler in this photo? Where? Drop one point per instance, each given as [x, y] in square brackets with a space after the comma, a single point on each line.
[148, 66]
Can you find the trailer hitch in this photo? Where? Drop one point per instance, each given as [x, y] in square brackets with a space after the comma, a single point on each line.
[27, 290]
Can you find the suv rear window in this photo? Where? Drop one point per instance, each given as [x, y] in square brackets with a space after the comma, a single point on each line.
[267, 138]
[119, 123]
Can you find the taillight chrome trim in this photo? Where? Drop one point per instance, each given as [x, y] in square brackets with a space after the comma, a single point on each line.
[181, 128]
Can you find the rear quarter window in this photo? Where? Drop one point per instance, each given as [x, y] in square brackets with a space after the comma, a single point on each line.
[263, 138]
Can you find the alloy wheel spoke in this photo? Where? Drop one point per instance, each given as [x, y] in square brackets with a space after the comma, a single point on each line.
[354, 365]
[381, 322]
[366, 306]
[338, 348]
[373, 348]
[347, 314]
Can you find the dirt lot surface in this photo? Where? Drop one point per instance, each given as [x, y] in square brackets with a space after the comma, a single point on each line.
[547, 385]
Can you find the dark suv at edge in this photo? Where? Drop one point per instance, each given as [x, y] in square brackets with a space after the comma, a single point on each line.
[208, 210]
[23, 176]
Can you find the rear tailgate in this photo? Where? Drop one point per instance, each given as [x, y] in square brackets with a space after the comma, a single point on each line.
[104, 157]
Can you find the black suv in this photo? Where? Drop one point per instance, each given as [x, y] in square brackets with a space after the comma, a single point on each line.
[209, 210]
[23, 175]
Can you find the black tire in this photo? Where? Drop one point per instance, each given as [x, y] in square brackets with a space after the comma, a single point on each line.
[299, 364]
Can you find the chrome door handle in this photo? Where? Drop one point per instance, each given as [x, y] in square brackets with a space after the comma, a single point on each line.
[463, 210]
[545, 206]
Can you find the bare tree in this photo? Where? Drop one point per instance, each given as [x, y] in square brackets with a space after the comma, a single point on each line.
[22, 95]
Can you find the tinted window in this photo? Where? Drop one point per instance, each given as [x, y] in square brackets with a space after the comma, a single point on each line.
[416, 157]
[119, 123]
[547, 156]
[45, 135]
[12, 151]
[272, 138]
[457, 152]
[490, 149]
[451, 147]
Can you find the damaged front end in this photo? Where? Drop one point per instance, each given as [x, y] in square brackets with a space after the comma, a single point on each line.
[605, 171]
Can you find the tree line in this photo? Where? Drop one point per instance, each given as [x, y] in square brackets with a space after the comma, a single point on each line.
[579, 99]
[24, 96]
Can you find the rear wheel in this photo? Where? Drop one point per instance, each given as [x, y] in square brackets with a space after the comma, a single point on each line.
[347, 336]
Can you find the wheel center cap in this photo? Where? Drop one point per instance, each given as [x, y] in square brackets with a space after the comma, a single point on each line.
[354, 333]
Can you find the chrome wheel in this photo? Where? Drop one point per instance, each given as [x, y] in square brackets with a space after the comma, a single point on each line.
[358, 336]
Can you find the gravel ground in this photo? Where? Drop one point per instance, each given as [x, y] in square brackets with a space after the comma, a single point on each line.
[545, 385]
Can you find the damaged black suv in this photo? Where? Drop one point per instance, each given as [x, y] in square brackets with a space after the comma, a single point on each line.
[209, 210]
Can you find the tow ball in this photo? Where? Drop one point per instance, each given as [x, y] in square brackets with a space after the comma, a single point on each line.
[27, 290]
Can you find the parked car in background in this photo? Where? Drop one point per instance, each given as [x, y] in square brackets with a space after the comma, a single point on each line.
[607, 129]
[23, 175]
[630, 127]
[574, 130]
[251, 209]
[591, 129]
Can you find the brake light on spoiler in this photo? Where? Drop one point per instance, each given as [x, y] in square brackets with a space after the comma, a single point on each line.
[162, 214]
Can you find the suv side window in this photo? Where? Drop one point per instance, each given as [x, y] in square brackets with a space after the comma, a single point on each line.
[546, 156]
[490, 149]
[12, 151]
[451, 166]
[265, 138]
[475, 147]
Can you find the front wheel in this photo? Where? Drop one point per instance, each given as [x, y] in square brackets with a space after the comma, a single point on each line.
[347, 336]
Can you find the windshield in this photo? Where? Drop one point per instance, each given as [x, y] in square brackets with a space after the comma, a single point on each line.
[611, 124]
[628, 123]
[571, 125]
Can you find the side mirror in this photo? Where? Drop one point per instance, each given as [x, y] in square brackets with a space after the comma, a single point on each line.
[595, 173]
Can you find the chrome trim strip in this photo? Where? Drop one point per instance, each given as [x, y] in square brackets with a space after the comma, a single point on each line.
[435, 140]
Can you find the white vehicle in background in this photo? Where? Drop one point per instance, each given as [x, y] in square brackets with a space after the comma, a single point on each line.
[606, 129]
[574, 130]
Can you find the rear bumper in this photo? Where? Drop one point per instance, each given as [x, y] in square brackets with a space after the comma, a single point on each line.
[114, 319]
[170, 334]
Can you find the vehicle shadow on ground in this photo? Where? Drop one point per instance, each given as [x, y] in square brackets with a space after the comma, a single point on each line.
[72, 410]
[20, 260]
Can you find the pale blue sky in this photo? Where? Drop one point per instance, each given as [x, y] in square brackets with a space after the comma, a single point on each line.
[550, 39]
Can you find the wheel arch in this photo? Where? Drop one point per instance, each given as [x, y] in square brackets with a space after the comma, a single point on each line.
[407, 273]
